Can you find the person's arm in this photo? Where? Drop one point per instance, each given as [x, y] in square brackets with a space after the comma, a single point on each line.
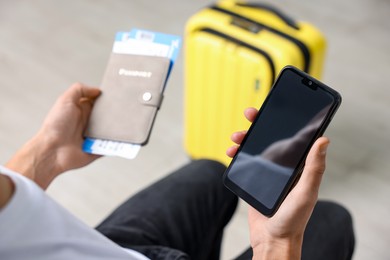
[281, 236]
[6, 190]
[57, 147]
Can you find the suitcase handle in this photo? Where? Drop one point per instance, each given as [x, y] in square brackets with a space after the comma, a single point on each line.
[288, 20]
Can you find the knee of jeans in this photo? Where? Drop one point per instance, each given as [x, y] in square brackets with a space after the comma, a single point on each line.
[340, 211]
[343, 222]
[215, 168]
[338, 214]
[212, 173]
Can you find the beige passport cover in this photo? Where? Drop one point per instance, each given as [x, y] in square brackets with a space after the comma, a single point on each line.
[132, 92]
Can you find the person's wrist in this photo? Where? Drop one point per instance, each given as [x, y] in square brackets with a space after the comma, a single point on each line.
[36, 160]
[278, 248]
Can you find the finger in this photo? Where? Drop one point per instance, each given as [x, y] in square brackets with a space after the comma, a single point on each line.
[250, 113]
[84, 97]
[85, 106]
[83, 158]
[237, 137]
[314, 166]
[231, 151]
[79, 91]
[90, 92]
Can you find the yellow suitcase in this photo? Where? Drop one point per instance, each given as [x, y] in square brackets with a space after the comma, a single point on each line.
[233, 52]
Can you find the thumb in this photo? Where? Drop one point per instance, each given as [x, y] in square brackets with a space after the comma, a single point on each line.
[315, 165]
[90, 92]
[80, 91]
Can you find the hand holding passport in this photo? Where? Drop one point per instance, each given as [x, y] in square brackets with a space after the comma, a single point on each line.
[132, 92]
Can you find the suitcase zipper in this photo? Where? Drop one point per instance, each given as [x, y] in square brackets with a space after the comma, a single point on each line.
[244, 44]
[300, 45]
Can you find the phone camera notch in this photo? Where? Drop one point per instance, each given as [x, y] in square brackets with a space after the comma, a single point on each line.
[309, 83]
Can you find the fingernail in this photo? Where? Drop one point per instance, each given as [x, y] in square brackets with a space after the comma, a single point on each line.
[324, 148]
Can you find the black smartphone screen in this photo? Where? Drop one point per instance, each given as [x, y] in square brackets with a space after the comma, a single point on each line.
[271, 156]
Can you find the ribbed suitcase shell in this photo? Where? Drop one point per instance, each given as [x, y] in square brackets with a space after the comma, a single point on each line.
[233, 53]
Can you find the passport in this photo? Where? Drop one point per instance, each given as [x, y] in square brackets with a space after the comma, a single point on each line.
[132, 93]
[134, 42]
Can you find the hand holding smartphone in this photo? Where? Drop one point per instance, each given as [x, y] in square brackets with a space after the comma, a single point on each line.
[271, 157]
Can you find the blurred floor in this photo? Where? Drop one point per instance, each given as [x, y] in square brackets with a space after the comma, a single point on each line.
[47, 45]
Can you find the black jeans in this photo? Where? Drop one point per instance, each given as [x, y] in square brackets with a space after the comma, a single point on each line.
[183, 216]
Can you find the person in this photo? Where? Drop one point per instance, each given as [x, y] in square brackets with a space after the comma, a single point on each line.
[181, 216]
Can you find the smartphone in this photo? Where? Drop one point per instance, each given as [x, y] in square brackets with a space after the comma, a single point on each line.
[271, 157]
